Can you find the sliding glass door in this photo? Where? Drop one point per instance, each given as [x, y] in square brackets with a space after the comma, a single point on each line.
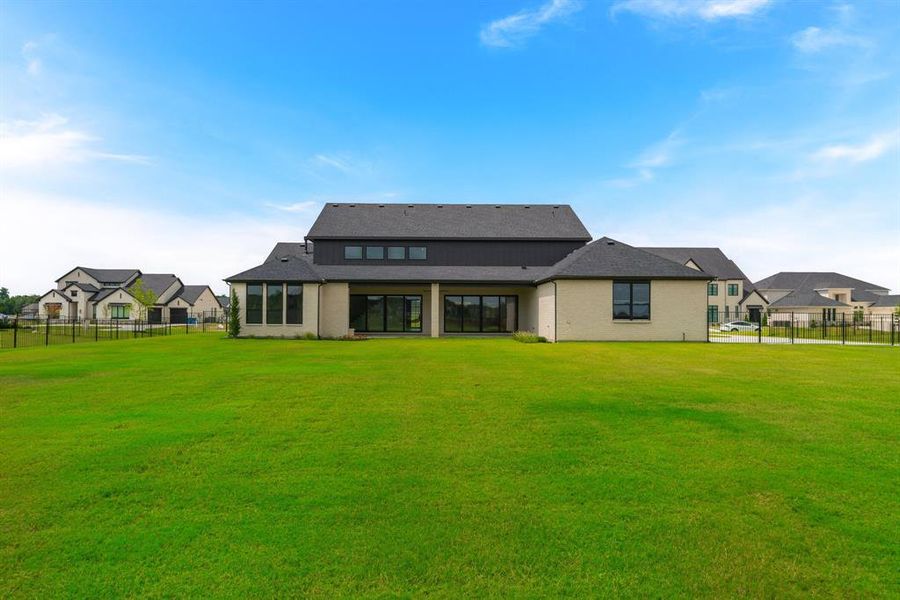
[480, 314]
[386, 314]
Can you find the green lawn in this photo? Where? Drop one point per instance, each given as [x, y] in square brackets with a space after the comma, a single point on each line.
[199, 466]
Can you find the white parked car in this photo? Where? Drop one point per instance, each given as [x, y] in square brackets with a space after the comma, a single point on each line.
[739, 326]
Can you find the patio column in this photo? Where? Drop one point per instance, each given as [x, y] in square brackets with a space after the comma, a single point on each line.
[435, 310]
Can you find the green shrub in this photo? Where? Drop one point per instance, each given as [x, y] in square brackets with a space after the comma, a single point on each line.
[527, 337]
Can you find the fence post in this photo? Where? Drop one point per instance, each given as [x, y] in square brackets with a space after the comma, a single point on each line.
[16, 332]
[117, 330]
[843, 328]
[73, 331]
[47, 333]
[792, 327]
[150, 327]
[893, 320]
[759, 328]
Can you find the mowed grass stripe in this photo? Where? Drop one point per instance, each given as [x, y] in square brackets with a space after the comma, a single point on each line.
[198, 466]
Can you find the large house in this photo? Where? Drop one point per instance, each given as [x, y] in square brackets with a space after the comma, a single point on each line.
[455, 270]
[730, 294]
[828, 294]
[87, 293]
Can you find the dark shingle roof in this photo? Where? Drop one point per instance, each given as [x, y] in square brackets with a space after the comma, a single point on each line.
[86, 287]
[289, 268]
[67, 299]
[798, 280]
[295, 249]
[190, 293]
[108, 275]
[426, 274]
[158, 282]
[449, 221]
[711, 260]
[607, 258]
[889, 300]
[805, 298]
[106, 292]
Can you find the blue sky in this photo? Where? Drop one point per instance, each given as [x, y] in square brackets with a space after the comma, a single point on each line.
[190, 137]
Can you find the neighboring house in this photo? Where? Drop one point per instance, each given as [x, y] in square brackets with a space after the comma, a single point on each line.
[452, 269]
[29, 311]
[730, 294]
[827, 294]
[87, 293]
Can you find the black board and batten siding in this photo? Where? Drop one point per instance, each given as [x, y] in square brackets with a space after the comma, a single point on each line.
[454, 252]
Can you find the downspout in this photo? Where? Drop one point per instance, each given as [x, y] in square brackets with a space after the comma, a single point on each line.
[319, 311]
[555, 314]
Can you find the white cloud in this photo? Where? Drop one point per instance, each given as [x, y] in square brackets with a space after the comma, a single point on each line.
[513, 30]
[33, 62]
[48, 142]
[296, 207]
[706, 10]
[652, 158]
[815, 39]
[201, 249]
[871, 149]
[324, 160]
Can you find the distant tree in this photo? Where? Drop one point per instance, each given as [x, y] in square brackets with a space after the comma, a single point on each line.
[145, 296]
[897, 311]
[234, 316]
[12, 305]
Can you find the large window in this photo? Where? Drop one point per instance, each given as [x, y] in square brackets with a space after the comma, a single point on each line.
[396, 252]
[713, 289]
[378, 314]
[712, 313]
[418, 253]
[480, 314]
[274, 303]
[732, 289]
[294, 304]
[352, 252]
[254, 304]
[631, 300]
[374, 252]
[119, 311]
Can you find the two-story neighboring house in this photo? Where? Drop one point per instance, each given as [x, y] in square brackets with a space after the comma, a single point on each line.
[730, 295]
[827, 293]
[454, 269]
[88, 293]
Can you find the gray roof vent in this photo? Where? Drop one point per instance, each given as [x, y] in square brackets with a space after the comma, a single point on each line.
[610, 243]
[284, 259]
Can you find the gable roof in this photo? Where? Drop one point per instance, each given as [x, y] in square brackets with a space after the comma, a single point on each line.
[84, 287]
[710, 260]
[449, 221]
[63, 296]
[288, 268]
[295, 249]
[607, 258]
[190, 293]
[805, 280]
[106, 292]
[158, 282]
[805, 298]
[107, 275]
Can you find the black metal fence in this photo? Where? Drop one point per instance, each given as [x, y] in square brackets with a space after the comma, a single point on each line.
[826, 327]
[19, 332]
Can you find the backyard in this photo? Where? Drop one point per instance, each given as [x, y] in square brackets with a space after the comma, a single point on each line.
[193, 465]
